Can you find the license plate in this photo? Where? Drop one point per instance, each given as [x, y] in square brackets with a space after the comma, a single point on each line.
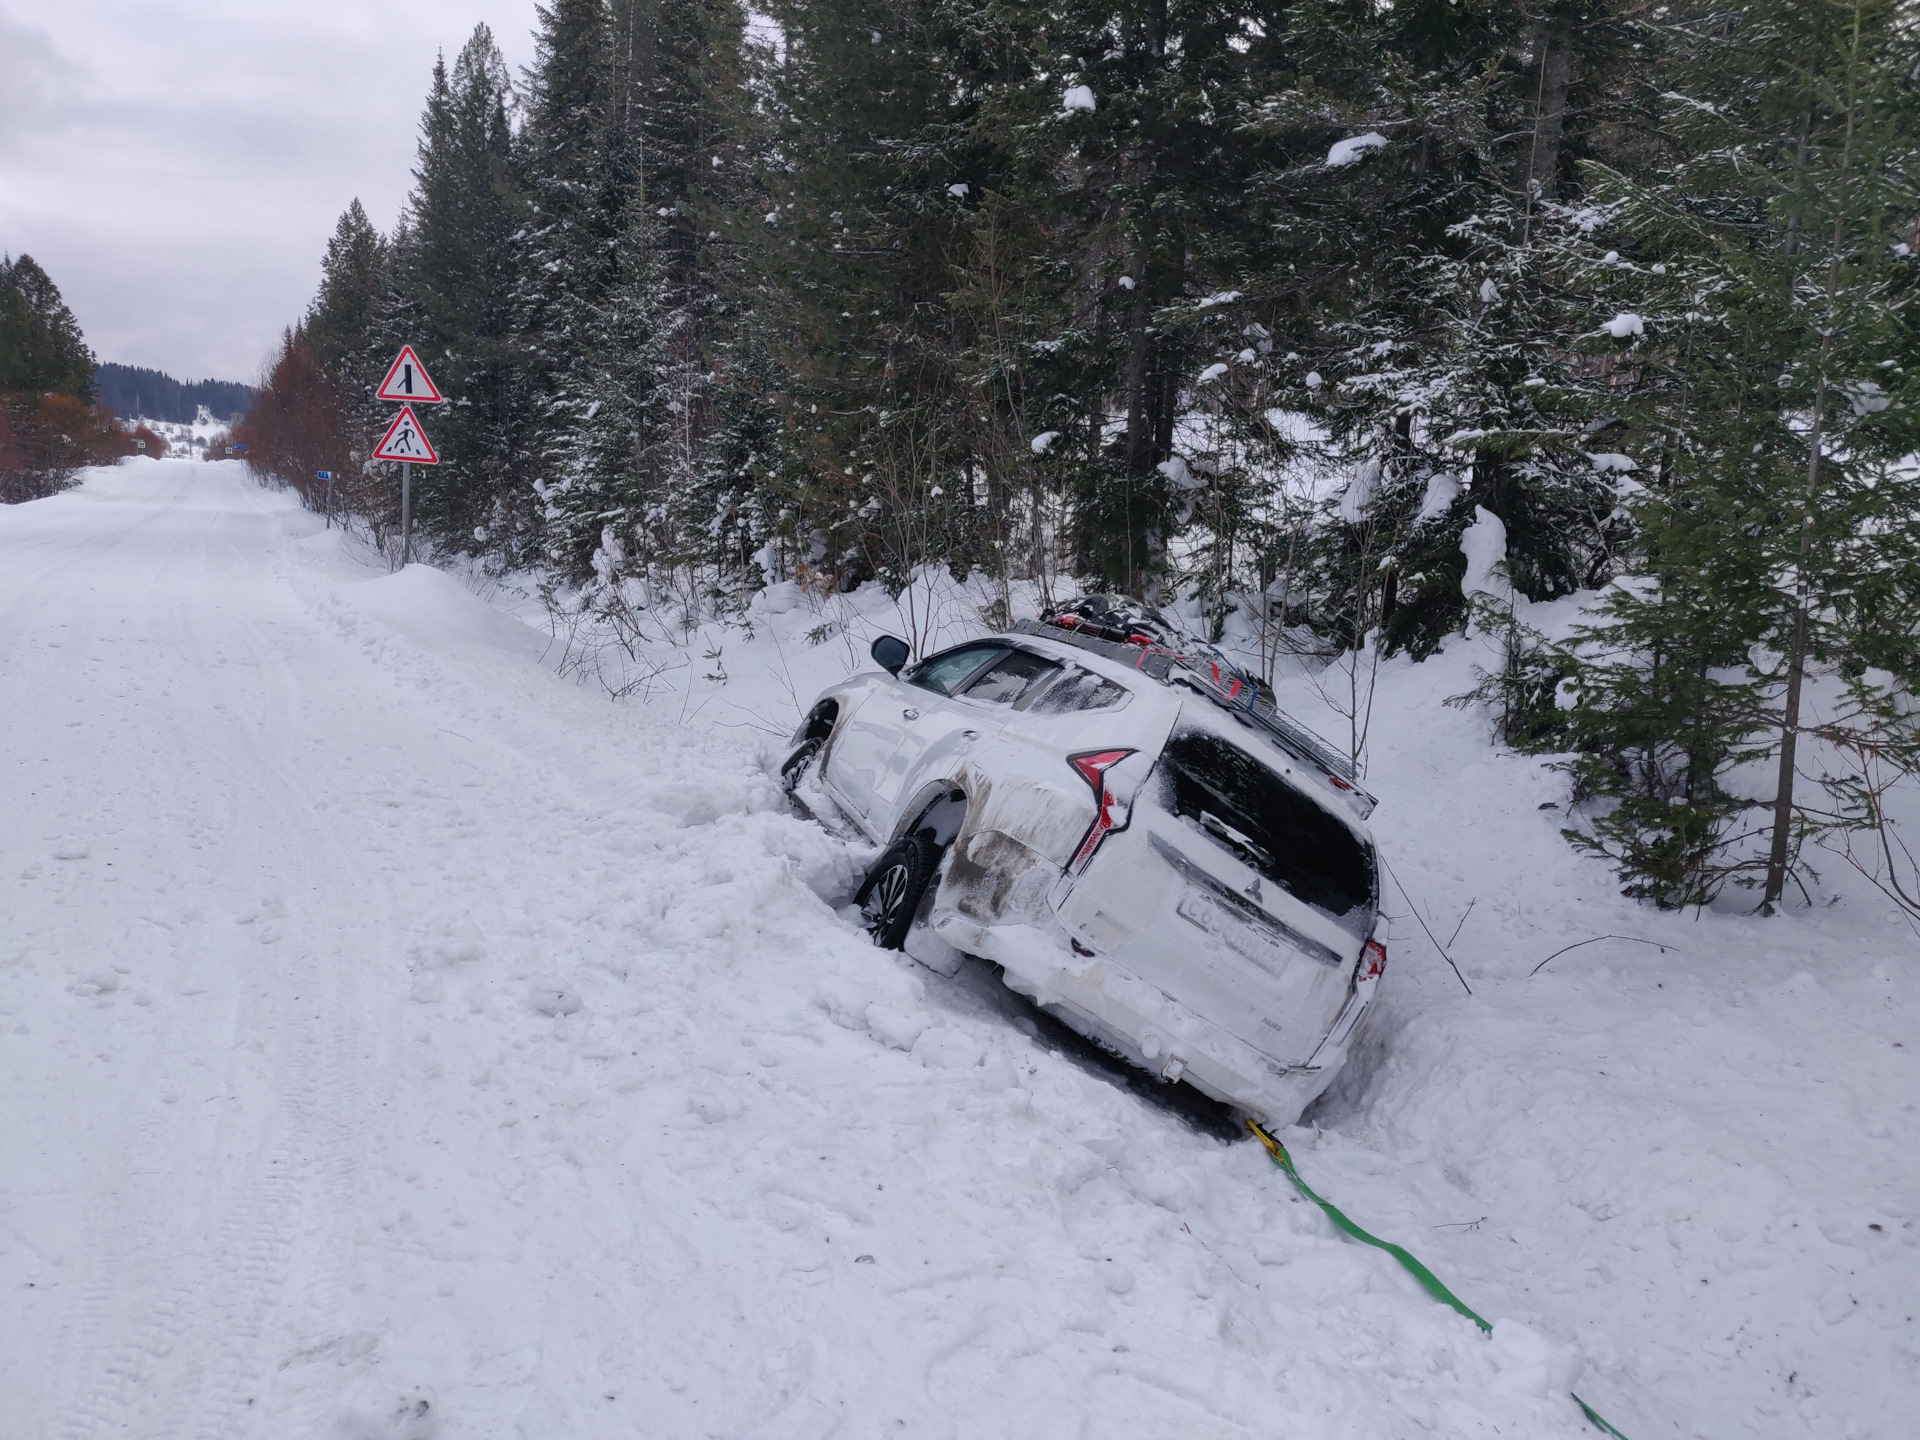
[1199, 909]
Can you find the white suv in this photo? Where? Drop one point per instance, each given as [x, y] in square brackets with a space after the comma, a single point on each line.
[1111, 813]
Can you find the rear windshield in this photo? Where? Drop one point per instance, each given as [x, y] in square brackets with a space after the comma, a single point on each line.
[1243, 806]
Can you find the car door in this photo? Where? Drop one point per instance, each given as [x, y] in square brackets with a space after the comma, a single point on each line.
[864, 743]
[938, 726]
[861, 771]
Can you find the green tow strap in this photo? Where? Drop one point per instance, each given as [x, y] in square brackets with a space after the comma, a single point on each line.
[1595, 1416]
[1428, 1280]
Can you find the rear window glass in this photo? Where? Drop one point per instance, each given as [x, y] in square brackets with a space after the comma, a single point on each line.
[1254, 812]
[1013, 675]
[950, 669]
[1078, 690]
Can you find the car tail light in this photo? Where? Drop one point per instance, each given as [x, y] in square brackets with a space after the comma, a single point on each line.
[1373, 960]
[1092, 767]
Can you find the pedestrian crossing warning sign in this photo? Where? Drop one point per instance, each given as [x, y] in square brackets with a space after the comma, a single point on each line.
[405, 440]
[408, 383]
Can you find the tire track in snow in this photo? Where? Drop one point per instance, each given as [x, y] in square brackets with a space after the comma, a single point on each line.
[111, 1358]
[313, 1173]
[192, 1362]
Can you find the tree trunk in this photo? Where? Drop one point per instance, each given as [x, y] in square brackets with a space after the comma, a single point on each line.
[1139, 421]
[1553, 71]
[1797, 655]
[1143, 380]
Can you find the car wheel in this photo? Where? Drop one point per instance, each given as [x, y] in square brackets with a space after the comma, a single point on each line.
[891, 893]
[795, 768]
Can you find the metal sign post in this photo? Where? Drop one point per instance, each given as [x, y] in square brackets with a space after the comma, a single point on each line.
[327, 475]
[406, 442]
[408, 383]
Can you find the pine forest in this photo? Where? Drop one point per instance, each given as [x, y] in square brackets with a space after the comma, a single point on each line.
[1356, 325]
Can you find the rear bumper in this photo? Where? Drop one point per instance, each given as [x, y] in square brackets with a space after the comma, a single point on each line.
[1147, 1027]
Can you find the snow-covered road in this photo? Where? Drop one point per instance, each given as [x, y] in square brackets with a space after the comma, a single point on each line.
[398, 1041]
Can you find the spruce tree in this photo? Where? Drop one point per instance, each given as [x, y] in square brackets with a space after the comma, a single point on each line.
[739, 488]
[41, 348]
[577, 184]
[341, 322]
[849, 270]
[617, 507]
[638, 387]
[1001, 228]
[1430, 325]
[1162, 217]
[1763, 350]
[456, 277]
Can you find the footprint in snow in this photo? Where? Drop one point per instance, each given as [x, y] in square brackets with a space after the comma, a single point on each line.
[555, 1000]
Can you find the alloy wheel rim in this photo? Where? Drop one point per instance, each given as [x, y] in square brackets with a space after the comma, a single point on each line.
[888, 891]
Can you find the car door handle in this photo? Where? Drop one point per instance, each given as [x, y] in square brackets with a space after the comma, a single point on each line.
[909, 714]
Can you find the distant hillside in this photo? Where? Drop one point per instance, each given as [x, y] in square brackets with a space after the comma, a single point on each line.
[151, 395]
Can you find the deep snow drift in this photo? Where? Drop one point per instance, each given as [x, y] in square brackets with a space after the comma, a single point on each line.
[400, 1040]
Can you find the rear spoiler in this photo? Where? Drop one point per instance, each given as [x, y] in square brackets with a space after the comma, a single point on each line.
[1229, 688]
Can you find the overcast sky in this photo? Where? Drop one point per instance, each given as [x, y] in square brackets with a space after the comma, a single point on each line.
[178, 167]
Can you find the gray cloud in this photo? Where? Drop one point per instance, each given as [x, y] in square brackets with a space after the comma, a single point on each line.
[180, 181]
[29, 76]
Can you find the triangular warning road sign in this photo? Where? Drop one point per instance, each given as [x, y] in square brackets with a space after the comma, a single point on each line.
[407, 382]
[405, 440]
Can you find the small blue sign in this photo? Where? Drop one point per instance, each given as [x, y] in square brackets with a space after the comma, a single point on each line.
[323, 474]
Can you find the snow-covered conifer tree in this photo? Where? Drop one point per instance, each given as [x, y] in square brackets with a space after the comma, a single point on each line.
[1436, 334]
[456, 277]
[628, 446]
[578, 186]
[1758, 335]
[345, 312]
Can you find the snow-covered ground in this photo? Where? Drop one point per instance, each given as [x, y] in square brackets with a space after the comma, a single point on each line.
[187, 440]
[400, 1040]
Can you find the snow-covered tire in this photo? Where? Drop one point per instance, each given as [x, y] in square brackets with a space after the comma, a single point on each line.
[891, 893]
[793, 770]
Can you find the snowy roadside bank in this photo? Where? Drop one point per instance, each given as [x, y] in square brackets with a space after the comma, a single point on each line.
[405, 1025]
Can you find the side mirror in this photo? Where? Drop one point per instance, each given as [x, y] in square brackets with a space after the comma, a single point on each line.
[890, 653]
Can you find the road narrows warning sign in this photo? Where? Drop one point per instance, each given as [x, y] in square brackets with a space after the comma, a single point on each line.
[405, 440]
[407, 382]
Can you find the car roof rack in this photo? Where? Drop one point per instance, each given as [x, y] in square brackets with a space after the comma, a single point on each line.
[1226, 686]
